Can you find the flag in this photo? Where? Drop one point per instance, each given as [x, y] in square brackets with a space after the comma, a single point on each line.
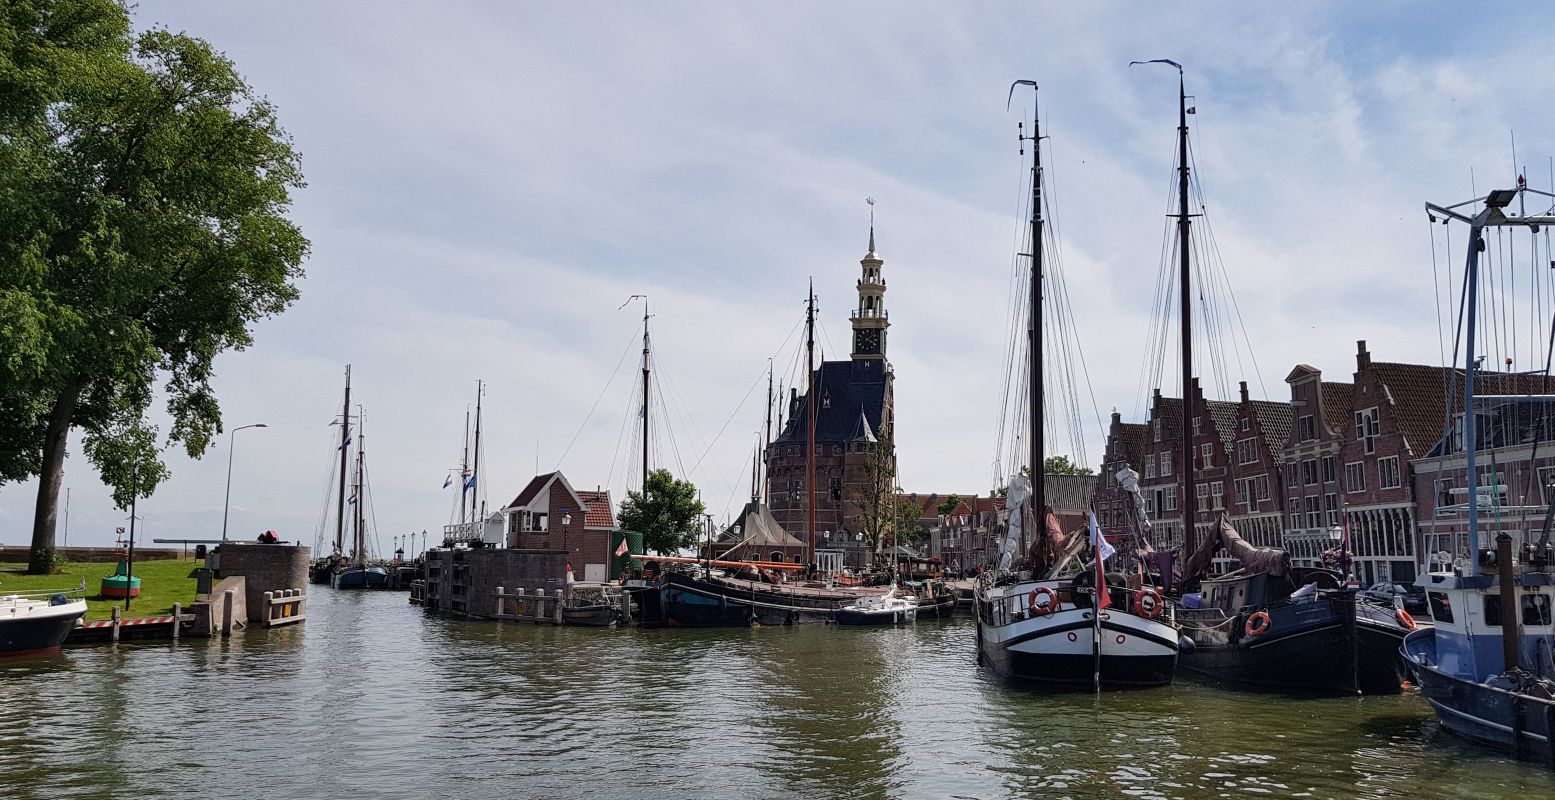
[448, 481]
[346, 443]
[352, 501]
[469, 483]
[622, 549]
[1103, 551]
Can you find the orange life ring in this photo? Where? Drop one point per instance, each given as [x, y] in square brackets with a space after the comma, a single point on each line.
[1406, 620]
[1148, 602]
[1257, 624]
[1042, 610]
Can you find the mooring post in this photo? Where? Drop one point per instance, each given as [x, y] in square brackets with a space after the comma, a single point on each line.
[522, 608]
[178, 618]
[227, 599]
[116, 620]
[499, 603]
[557, 611]
[626, 608]
[269, 602]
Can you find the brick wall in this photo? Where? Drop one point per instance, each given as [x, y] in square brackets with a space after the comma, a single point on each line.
[265, 568]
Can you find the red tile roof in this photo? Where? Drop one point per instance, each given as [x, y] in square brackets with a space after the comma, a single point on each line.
[536, 483]
[599, 513]
[1336, 405]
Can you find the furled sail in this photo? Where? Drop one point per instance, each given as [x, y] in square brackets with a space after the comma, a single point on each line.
[1270, 560]
[1020, 490]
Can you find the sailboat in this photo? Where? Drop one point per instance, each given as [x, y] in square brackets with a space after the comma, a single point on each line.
[1267, 625]
[351, 570]
[1487, 671]
[323, 569]
[1033, 624]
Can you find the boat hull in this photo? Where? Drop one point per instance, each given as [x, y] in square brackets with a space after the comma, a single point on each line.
[1307, 648]
[40, 632]
[1060, 648]
[846, 616]
[361, 578]
[1512, 721]
[687, 601]
[596, 616]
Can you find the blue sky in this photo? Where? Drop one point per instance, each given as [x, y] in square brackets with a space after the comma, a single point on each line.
[488, 182]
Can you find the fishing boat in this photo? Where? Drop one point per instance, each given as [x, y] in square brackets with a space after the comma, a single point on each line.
[1035, 621]
[1486, 665]
[37, 624]
[354, 571]
[886, 609]
[594, 605]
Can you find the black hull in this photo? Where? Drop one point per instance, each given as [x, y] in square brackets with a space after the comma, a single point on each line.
[1059, 651]
[1079, 671]
[25, 637]
[688, 602]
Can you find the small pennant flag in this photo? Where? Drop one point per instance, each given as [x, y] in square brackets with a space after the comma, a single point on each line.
[352, 501]
[345, 444]
[469, 483]
[1103, 551]
[448, 481]
[622, 549]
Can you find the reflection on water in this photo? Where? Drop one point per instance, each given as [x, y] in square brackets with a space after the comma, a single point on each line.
[372, 698]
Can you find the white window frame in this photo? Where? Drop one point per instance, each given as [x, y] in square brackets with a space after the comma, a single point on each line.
[1170, 499]
[1246, 451]
[1388, 466]
[1217, 493]
[1309, 472]
[1368, 427]
[1306, 429]
[1350, 487]
[1206, 454]
[1166, 464]
[1150, 466]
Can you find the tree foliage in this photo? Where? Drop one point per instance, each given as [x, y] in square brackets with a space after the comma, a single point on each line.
[876, 495]
[905, 529]
[143, 186]
[949, 506]
[1061, 465]
[667, 514]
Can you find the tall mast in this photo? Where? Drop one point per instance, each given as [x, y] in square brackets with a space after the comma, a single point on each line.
[765, 440]
[810, 401]
[464, 464]
[1184, 292]
[345, 454]
[756, 473]
[475, 473]
[361, 451]
[1038, 461]
[646, 351]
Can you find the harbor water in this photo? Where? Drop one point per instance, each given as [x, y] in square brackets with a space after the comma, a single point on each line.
[375, 698]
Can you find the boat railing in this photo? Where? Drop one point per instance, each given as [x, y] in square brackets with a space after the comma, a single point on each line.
[80, 590]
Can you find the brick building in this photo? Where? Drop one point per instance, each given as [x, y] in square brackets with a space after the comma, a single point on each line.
[853, 414]
[549, 514]
[1312, 480]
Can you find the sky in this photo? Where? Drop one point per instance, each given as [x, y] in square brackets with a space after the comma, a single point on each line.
[489, 182]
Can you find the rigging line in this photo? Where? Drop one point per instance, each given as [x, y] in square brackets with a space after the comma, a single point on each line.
[1235, 305]
[1013, 312]
[1436, 286]
[631, 417]
[761, 374]
[631, 344]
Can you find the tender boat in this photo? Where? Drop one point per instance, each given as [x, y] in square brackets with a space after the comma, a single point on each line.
[36, 625]
[886, 609]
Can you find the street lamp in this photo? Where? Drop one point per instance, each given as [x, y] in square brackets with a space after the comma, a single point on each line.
[227, 505]
[566, 522]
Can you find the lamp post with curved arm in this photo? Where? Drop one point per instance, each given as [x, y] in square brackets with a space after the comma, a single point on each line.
[227, 504]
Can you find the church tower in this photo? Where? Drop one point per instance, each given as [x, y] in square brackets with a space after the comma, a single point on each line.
[869, 319]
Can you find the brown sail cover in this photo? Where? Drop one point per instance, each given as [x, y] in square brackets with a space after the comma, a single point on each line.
[1049, 550]
[1270, 560]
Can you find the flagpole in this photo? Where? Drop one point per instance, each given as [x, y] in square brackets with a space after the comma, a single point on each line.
[1101, 587]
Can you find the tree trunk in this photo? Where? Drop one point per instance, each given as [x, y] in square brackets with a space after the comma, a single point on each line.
[40, 561]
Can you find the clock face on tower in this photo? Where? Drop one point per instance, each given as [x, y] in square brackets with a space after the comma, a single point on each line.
[867, 341]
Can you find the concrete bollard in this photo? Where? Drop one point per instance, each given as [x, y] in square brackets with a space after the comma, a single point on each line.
[557, 611]
[178, 619]
[499, 603]
[269, 603]
[116, 620]
[523, 607]
[228, 598]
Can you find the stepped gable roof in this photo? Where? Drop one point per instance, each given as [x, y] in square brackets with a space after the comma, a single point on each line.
[1223, 414]
[758, 528]
[1069, 494]
[1169, 411]
[930, 502]
[1336, 404]
[532, 490]
[1276, 420]
[597, 511]
[848, 390]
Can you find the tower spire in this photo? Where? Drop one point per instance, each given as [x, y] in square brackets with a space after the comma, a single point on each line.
[871, 202]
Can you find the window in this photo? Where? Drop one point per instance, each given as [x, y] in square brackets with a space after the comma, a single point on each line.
[1493, 610]
[536, 522]
[1387, 472]
[1217, 491]
[1196, 426]
[1307, 431]
[1150, 503]
[1546, 480]
[1246, 494]
[1441, 606]
[1330, 510]
[1329, 469]
[1262, 484]
[1355, 477]
[1202, 490]
[1295, 513]
[1290, 475]
[1367, 428]
[1171, 499]
[1206, 453]
[1155, 429]
[1536, 609]
[1149, 466]
[1314, 513]
[1444, 487]
[1246, 424]
[1246, 451]
[1166, 464]
[1309, 472]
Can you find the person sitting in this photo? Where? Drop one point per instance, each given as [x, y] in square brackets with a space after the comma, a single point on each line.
[268, 537]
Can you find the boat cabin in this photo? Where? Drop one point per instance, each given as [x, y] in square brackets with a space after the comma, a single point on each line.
[1468, 616]
[1242, 590]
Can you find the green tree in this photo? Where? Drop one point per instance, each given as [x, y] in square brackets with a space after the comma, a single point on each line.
[143, 186]
[905, 529]
[949, 506]
[1061, 465]
[667, 514]
[876, 493]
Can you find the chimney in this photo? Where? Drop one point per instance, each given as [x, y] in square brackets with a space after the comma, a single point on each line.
[1362, 356]
[1243, 385]
[1117, 418]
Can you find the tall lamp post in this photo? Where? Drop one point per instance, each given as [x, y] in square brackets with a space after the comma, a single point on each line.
[227, 504]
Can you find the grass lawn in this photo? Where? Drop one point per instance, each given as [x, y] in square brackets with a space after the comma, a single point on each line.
[162, 583]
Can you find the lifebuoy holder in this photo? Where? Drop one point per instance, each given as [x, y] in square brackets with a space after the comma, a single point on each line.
[1042, 610]
[1257, 624]
[1148, 602]
[1406, 620]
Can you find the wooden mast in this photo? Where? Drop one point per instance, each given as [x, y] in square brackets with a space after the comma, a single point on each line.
[345, 443]
[645, 396]
[1038, 455]
[810, 402]
[1184, 291]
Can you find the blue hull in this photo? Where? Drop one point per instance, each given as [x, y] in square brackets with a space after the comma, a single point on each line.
[362, 578]
[1516, 722]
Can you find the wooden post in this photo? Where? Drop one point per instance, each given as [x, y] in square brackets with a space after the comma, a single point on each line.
[269, 603]
[522, 608]
[116, 620]
[626, 608]
[499, 603]
[557, 611]
[228, 598]
[178, 618]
